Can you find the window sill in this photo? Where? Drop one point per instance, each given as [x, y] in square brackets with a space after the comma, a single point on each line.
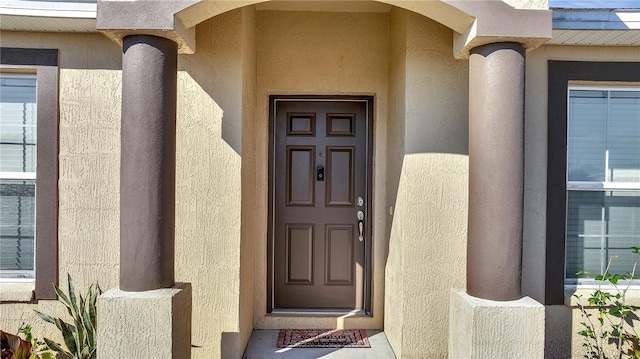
[16, 292]
[632, 296]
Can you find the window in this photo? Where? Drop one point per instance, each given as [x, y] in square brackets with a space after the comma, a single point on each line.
[17, 176]
[593, 169]
[603, 180]
[29, 168]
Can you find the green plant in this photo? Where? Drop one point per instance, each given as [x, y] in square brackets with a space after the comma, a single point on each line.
[80, 337]
[39, 348]
[615, 317]
[14, 347]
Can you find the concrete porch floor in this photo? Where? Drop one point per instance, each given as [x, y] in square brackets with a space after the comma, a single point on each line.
[263, 345]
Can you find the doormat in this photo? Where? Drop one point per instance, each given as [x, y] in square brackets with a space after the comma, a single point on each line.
[323, 338]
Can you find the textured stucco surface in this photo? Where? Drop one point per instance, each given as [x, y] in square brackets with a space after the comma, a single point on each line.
[208, 194]
[427, 185]
[209, 139]
[248, 170]
[490, 329]
[394, 283]
[320, 53]
[163, 314]
[88, 227]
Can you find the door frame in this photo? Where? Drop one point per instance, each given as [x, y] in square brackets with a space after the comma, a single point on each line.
[368, 255]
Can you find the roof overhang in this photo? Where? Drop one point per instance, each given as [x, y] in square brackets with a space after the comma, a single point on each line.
[48, 16]
[576, 27]
[596, 27]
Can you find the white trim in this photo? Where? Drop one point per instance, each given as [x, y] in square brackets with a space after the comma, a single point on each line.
[367, 297]
[585, 283]
[18, 175]
[16, 292]
[602, 186]
[5, 279]
[316, 312]
[60, 9]
[601, 88]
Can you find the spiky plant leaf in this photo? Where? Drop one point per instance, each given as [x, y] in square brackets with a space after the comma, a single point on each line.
[56, 347]
[78, 333]
[86, 322]
[47, 318]
[94, 291]
[64, 299]
[84, 317]
[85, 353]
[72, 295]
[68, 335]
[80, 338]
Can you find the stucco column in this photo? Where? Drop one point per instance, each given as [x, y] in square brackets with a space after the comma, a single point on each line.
[496, 171]
[147, 173]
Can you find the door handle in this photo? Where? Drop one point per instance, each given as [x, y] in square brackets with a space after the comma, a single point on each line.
[360, 216]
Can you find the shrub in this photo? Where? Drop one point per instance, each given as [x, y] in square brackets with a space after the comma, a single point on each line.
[614, 322]
[80, 337]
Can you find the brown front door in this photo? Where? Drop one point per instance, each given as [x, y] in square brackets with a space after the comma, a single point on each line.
[319, 184]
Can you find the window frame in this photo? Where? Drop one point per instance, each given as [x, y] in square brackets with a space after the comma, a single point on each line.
[561, 75]
[44, 63]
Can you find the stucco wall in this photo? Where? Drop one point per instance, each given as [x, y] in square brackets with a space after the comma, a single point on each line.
[560, 333]
[394, 280]
[428, 227]
[89, 171]
[211, 119]
[247, 245]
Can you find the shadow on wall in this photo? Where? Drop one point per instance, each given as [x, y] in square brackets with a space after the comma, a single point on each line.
[217, 68]
[557, 332]
[229, 344]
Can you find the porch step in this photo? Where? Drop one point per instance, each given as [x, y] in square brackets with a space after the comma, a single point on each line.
[263, 345]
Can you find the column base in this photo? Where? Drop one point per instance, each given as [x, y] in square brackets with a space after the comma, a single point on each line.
[150, 324]
[480, 328]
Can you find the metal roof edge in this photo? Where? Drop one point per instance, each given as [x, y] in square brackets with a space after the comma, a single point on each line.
[596, 19]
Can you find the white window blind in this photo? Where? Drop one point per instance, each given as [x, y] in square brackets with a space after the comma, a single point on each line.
[17, 176]
[603, 179]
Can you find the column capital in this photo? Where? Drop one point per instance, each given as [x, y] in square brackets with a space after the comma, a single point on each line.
[118, 19]
[496, 22]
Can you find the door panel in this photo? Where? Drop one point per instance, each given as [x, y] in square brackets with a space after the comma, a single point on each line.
[299, 254]
[319, 169]
[339, 257]
[340, 176]
[300, 175]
